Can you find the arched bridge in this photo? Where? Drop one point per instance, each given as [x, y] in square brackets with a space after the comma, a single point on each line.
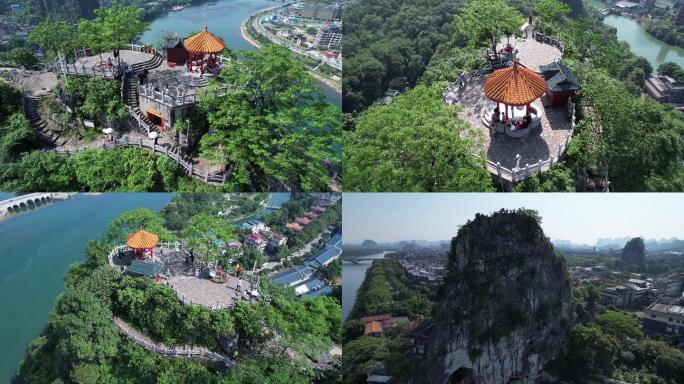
[25, 202]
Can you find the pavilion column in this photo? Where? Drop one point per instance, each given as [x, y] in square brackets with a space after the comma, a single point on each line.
[506, 108]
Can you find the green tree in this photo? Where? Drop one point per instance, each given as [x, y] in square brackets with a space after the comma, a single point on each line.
[54, 37]
[485, 21]
[414, 144]
[203, 233]
[23, 56]
[130, 222]
[112, 28]
[551, 13]
[274, 127]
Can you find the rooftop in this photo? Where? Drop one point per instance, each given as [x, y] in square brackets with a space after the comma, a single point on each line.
[559, 78]
[142, 240]
[204, 42]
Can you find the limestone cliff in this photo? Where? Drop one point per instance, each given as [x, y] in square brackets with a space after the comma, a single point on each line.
[634, 252]
[504, 308]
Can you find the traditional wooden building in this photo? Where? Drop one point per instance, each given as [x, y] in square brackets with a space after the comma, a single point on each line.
[141, 243]
[561, 82]
[176, 54]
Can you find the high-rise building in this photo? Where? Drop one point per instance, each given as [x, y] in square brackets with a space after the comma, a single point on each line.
[329, 36]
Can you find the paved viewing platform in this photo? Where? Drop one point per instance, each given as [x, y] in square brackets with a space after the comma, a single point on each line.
[532, 53]
[541, 144]
[189, 283]
[129, 57]
[519, 152]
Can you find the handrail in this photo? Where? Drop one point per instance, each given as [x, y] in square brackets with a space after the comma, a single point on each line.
[150, 144]
[163, 349]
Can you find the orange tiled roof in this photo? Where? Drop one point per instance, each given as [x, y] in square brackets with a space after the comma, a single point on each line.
[204, 42]
[372, 327]
[515, 85]
[142, 240]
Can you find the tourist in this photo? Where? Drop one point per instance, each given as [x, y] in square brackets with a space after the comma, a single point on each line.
[462, 77]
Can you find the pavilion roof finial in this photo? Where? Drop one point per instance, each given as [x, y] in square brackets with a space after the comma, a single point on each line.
[206, 28]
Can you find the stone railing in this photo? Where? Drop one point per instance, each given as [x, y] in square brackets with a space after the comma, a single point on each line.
[542, 38]
[162, 349]
[149, 144]
[519, 173]
[452, 92]
[82, 70]
[176, 100]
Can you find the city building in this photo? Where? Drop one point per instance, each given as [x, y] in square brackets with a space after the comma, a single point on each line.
[666, 90]
[276, 241]
[255, 226]
[665, 316]
[376, 325]
[294, 226]
[316, 11]
[303, 220]
[667, 286]
[629, 295]
[293, 276]
[255, 240]
[329, 36]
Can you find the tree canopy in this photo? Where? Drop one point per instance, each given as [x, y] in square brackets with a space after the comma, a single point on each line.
[413, 144]
[274, 127]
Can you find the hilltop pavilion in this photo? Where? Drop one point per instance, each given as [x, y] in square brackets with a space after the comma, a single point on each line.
[142, 242]
[513, 89]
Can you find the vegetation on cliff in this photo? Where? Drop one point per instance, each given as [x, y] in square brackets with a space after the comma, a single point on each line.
[81, 344]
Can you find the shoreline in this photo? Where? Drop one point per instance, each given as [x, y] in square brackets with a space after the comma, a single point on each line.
[243, 32]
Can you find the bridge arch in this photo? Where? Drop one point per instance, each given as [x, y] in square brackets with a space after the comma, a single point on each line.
[23, 206]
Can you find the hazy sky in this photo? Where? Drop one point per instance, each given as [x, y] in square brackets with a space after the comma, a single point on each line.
[579, 217]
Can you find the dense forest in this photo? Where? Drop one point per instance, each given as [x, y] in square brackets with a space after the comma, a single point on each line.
[81, 344]
[628, 142]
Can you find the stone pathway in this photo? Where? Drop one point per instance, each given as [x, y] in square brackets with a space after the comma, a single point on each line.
[161, 348]
[540, 144]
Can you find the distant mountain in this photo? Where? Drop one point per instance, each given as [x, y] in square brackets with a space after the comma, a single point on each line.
[369, 244]
[605, 244]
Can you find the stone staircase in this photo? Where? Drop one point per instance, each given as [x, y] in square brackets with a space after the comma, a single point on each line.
[130, 91]
[31, 105]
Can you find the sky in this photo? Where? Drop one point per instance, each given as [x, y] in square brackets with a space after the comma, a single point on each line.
[578, 217]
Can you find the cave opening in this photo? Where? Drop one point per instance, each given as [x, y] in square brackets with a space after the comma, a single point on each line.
[462, 375]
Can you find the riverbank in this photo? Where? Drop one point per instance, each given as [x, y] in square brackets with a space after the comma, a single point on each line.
[335, 85]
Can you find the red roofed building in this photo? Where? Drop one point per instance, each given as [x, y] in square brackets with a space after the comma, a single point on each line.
[256, 241]
[375, 325]
[294, 226]
[303, 220]
[311, 215]
[318, 208]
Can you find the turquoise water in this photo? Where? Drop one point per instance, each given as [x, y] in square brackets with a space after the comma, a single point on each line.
[37, 248]
[222, 18]
[353, 275]
[640, 41]
[277, 199]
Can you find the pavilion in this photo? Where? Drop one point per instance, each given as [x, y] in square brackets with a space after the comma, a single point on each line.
[142, 242]
[513, 89]
[200, 45]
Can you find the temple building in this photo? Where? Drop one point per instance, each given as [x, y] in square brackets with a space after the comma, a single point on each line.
[561, 82]
[168, 93]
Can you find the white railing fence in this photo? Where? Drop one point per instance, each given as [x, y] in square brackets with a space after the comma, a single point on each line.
[519, 173]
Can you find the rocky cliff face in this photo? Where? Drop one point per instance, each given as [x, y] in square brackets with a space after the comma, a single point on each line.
[634, 252]
[504, 309]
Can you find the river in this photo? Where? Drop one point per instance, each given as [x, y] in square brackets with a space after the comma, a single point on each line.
[223, 18]
[37, 248]
[640, 41]
[353, 275]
